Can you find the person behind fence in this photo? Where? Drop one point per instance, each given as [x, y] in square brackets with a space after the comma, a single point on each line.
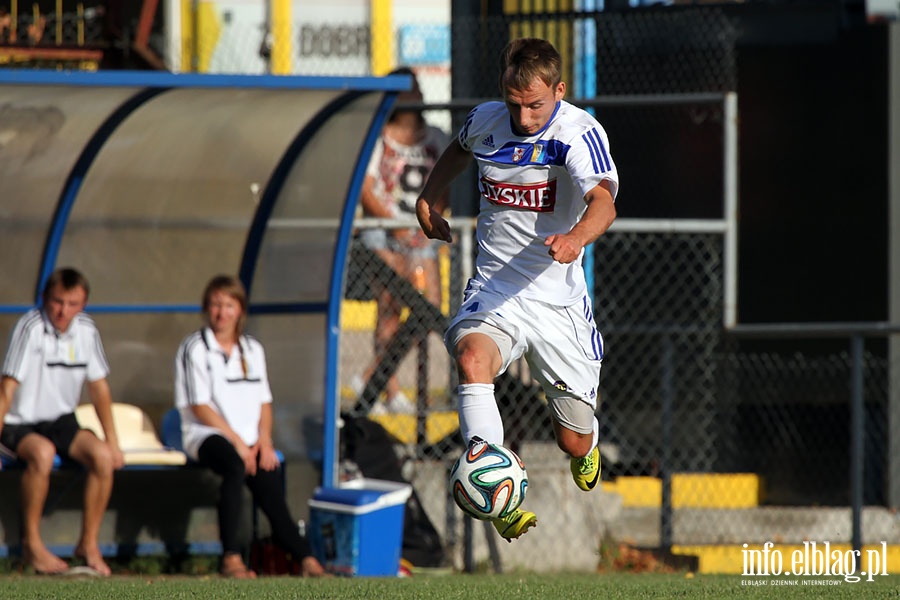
[222, 394]
[53, 350]
[401, 161]
[548, 186]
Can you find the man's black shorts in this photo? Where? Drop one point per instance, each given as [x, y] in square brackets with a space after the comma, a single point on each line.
[61, 432]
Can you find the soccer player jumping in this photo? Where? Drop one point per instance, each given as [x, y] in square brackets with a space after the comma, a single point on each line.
[548, 186]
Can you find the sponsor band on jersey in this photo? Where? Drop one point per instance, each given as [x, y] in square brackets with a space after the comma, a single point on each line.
[537, 197]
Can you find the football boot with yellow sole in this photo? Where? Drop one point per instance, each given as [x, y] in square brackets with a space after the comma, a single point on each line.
[515, 524]
[586, 470]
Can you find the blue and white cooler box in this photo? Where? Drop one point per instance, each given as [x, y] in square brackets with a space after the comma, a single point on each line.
[357, 528]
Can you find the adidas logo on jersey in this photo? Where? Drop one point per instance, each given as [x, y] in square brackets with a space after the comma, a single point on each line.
[488, 141]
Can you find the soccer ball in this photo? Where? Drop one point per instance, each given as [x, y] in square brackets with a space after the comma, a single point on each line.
[488, 481]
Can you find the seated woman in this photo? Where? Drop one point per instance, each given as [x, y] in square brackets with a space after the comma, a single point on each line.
[222, 392]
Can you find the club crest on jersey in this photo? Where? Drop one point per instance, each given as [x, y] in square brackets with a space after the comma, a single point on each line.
[537, 153]
[537, 197]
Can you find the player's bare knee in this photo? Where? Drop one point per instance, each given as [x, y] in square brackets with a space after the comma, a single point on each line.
[472, 364]
[38, 455]
[101, 460]
[94, 454]
[41, 462]
[477, 358]
[573, 443]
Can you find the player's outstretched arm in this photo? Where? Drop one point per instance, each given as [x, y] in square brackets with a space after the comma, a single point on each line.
[452, 162]
[600, 213]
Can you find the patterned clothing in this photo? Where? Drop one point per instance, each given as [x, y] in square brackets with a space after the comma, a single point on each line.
[399, 173]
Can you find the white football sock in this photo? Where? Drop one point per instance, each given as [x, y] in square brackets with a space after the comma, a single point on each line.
[478, 413]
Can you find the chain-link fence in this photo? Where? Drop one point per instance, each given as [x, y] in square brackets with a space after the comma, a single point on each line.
[680, 395]
[707, 437]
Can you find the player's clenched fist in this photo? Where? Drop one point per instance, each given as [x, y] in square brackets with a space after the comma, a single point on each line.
[562, 249]
[432, 223]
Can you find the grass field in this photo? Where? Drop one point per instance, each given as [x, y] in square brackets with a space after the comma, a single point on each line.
[427, 587]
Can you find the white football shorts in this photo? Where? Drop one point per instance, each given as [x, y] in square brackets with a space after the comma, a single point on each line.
[561, 345]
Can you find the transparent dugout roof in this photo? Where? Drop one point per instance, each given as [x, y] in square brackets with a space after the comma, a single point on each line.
[151, 183]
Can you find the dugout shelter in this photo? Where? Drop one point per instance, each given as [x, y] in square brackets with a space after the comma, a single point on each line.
[151, 183]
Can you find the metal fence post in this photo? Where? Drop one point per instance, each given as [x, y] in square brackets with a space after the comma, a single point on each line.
[857, 431]
[667, 385]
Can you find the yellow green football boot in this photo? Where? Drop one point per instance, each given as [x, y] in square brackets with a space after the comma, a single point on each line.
[515, 524]
[586, 470]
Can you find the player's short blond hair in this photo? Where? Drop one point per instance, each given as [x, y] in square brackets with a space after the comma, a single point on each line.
[525, 59]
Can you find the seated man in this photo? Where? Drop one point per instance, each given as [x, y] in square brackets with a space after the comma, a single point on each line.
[52, 351]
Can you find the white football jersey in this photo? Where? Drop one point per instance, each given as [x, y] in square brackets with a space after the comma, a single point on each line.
[532, 187]
[51, 367]
[235, 385]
